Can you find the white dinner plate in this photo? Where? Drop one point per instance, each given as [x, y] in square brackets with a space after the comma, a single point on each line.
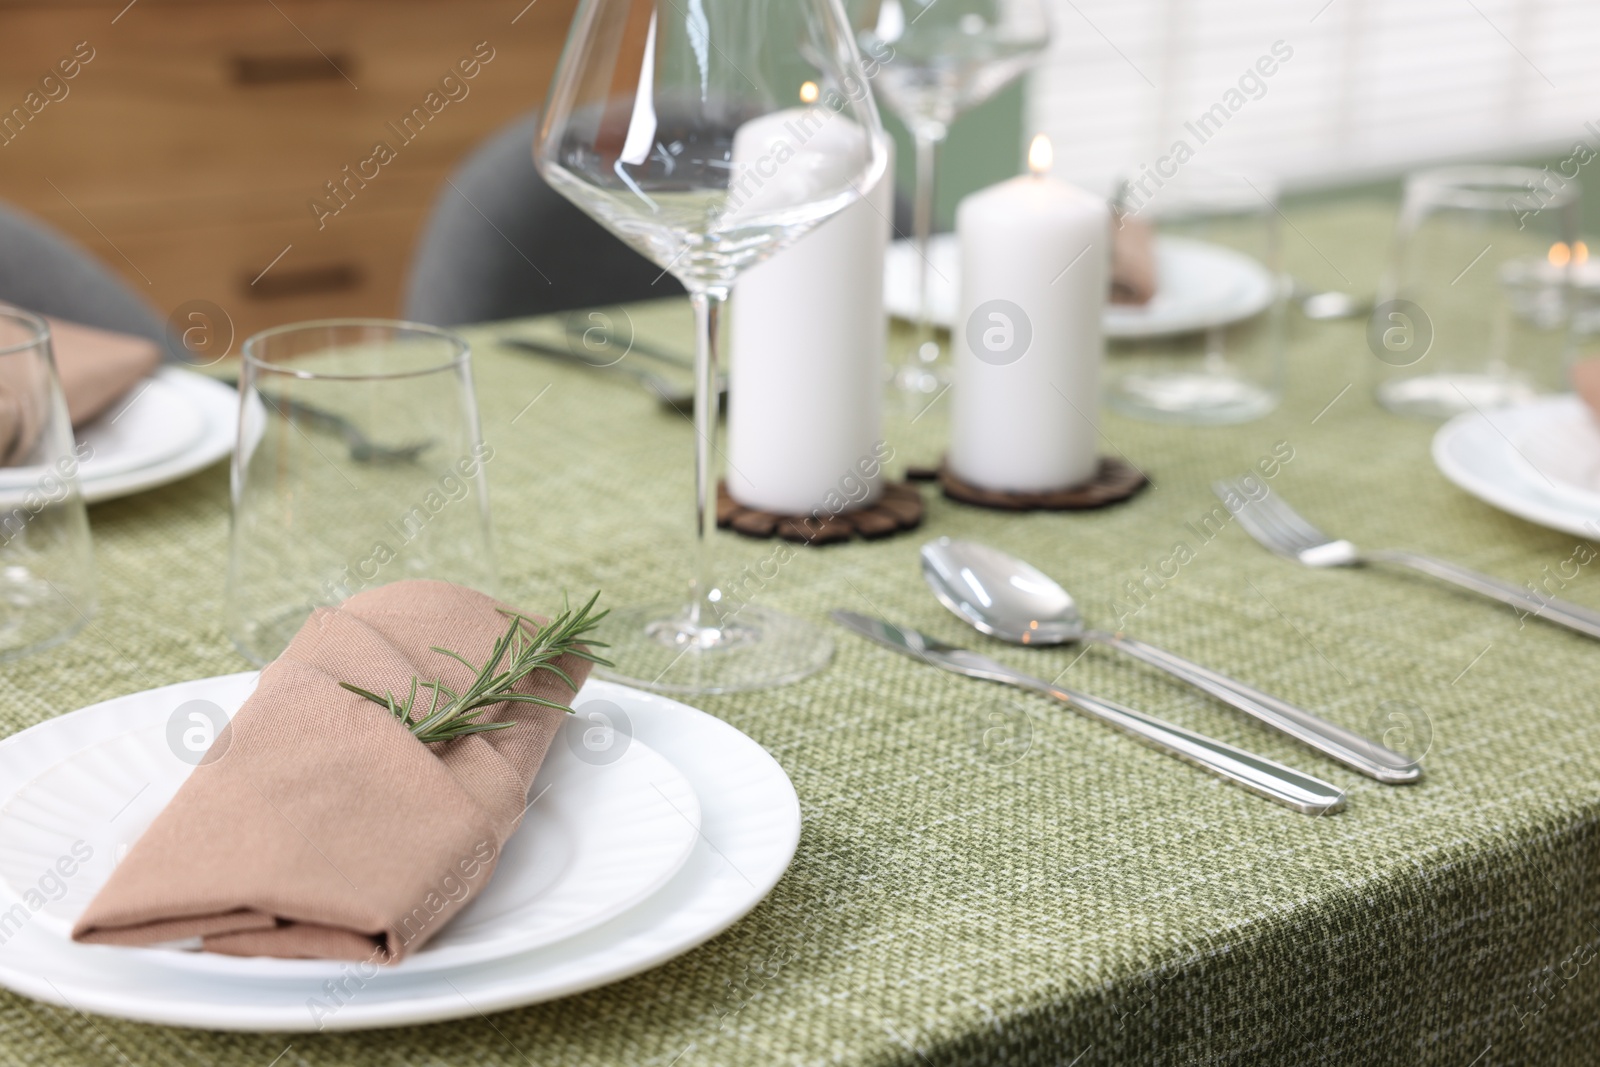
[1198, 285]
[1539, 461]
[215, 409]
[748, 832]
[600, 838]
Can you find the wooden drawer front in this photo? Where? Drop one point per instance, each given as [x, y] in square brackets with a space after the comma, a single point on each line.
[185, 100]
[356, 269]
[189, 150]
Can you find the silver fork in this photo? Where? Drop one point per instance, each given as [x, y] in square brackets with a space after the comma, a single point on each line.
[1277, 526]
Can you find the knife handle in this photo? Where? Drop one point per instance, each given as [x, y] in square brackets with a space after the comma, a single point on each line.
[1258, 774]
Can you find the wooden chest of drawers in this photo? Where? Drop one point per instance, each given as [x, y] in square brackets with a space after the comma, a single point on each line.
[194, 140]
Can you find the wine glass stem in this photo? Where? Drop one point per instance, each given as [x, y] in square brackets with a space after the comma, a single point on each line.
[708, 304]
[927, 151]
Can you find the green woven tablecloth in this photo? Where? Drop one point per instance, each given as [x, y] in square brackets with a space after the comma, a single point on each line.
[1091, 901]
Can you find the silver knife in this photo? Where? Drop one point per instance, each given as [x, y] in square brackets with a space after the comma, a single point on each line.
[1258, 774]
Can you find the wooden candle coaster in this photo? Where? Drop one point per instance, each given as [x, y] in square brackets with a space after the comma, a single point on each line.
[1116, 480]
[897, 510]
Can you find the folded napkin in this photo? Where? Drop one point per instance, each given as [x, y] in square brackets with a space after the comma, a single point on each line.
[95, 367]
[1586, 380]
[1133, 261]
[324, 828]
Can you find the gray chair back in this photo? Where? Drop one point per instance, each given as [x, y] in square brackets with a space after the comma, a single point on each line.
[501, 244]
[43, 271]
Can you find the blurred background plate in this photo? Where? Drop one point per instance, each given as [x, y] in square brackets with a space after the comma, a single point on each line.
[156, 420]
[1199, 285]
[217, 407]
[1533, 461]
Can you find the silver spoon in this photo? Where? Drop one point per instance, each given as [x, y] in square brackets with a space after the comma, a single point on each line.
[1004, 597]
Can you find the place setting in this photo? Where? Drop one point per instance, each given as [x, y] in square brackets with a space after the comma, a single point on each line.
[401, 750]
[137, 423]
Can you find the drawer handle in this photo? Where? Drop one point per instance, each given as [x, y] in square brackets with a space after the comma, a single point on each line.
[331, 278]
[285, 70]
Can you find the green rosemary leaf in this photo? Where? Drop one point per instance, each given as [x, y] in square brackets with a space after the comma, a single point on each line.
[524, 648]
[360, 692]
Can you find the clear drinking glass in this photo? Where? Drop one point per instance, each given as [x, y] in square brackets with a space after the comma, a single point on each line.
[708, 136]
[360, 462]
[935, 61]
[1472, 308]
[1208, 348]
[47, 587]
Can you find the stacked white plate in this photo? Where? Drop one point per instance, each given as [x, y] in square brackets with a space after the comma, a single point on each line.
[1198, 285]
[651, 828]
[1539, 461]
[169, 426]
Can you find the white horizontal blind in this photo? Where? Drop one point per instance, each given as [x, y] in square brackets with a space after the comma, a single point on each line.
[1372, 87]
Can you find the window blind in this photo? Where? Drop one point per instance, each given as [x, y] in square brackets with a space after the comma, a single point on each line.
[1358, 89]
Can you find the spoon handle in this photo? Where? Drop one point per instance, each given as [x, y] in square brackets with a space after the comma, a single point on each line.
[1348, 747]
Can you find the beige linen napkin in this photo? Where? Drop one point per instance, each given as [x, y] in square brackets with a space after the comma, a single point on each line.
[1586, 380]
[1133, 261]
[324, 828]
[96, 367]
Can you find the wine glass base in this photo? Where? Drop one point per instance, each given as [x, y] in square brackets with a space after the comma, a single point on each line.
[1195, 398]
[659, 647]
[1443, 396]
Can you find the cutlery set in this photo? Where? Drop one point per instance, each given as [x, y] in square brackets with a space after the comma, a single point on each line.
[1008, 599]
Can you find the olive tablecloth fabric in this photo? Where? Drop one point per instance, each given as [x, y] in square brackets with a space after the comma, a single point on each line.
[983, 877]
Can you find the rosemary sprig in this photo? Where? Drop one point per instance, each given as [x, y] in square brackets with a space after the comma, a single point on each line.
[450, 715]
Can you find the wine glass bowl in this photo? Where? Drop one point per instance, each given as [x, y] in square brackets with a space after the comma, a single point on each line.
[949, 58]
[709, 136]
[677, 163]
[936, 60]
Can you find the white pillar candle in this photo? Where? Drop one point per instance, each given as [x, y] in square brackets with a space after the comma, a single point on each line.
[805, 387]
[1027, 341]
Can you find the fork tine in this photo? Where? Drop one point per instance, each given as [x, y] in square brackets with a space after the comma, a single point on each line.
[1294, 520]
[1268, 512]
[1274, 523]
[1265, 534]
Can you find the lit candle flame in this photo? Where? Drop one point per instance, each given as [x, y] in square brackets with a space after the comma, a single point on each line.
[1040, 155]
[808, 93]
[1560, 255]
[1580, 252]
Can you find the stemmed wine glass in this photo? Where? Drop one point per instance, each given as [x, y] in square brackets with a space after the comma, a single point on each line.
[710, 134]
[940, 59]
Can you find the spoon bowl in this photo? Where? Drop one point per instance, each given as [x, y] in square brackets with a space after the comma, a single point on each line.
[1002, 596]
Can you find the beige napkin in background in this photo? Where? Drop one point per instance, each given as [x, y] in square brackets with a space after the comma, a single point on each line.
[1133, 261]
[324, 828]
[96, 368]
[1586, 380]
